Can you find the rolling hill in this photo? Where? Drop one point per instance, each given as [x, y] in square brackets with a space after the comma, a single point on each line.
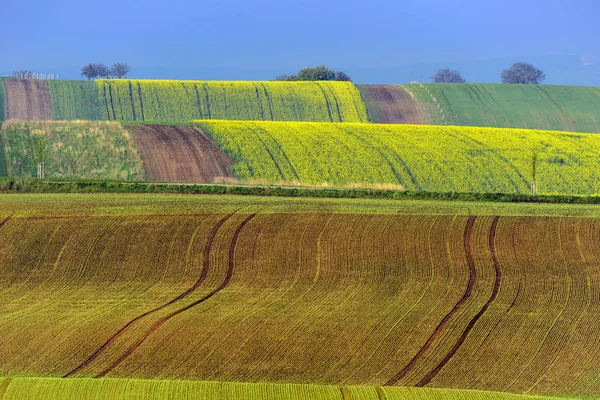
[496, 297]
[411, 157]
[561, 108]
[181, 101]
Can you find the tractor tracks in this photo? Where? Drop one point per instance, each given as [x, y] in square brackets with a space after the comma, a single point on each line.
[473, 276]
[193, 288]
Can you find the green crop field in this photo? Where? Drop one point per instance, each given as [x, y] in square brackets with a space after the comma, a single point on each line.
[75, 100]
[297, 291]
[131, 100]
[100, 389]
[70, 150]
[435, 159]
[562, 108]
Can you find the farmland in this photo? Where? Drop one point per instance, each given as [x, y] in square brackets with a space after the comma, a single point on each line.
[74, 100]
[187, 100]
[562, 108]
[181, 101]
[435, 159]
[179, 154]
[97, 389]
[27, 100]
[70, 150]
[351, 292]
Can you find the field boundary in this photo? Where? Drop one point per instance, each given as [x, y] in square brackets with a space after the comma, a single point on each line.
[32, 185]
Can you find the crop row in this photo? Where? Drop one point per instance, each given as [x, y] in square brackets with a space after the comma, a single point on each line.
[92, 389]
[564, 108]
[346, 299]
[427, 158]
[132, 100]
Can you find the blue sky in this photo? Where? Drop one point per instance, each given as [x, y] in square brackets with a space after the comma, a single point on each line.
[376, 41]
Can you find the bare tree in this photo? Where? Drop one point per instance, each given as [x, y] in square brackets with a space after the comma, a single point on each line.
[102, 71]
[89, 71]
[120, 70]
[447, 75]
[523, 73]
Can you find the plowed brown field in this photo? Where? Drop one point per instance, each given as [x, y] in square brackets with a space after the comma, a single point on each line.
[503, 303]
[390, 104]
[28, 100]
[179, 154]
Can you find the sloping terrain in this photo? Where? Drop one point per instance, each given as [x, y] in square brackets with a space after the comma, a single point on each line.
[75, 100]
[426, 158]
[179, 154]
[101, 389]
[131, 100]
[404, 294]
[390, 104]
[563, 108]
[76, 149]
[27, 100]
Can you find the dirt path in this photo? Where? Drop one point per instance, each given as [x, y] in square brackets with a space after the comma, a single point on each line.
[390, 104]
[28, 100]
[179, 154]
[457, 306]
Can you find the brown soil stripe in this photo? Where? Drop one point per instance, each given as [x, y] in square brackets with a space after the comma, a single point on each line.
[28, 100]
[390, 104]
[457, 306]
[123, 330]
[380, 393]
[163, 320]
[476, 318]
[4, 387]
[179, 154]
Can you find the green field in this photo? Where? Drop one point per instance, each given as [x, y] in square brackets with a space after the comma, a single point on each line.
[75, 100]
[561, 108]
[73, 149]
[100, 389]
[434, 159]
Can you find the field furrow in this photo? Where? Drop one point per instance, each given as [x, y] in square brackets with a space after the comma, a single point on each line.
[487, 297]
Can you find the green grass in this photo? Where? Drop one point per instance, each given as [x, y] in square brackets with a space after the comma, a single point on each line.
[75, 100]
[563, 108]
[154, 100]
[96, 389]
[33, 185]
[123, 204]
[71, 150]
[419, 158]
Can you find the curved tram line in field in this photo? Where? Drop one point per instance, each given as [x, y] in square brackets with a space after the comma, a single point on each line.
[160, 322]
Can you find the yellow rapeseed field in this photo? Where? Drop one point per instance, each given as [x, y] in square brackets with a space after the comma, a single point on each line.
[425, 158]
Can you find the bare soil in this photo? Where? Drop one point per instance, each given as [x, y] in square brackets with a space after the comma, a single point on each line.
[179, 154]
[390, 104]
[28, 100]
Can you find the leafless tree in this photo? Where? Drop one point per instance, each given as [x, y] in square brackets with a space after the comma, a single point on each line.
[120, 70]
[89, 71]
